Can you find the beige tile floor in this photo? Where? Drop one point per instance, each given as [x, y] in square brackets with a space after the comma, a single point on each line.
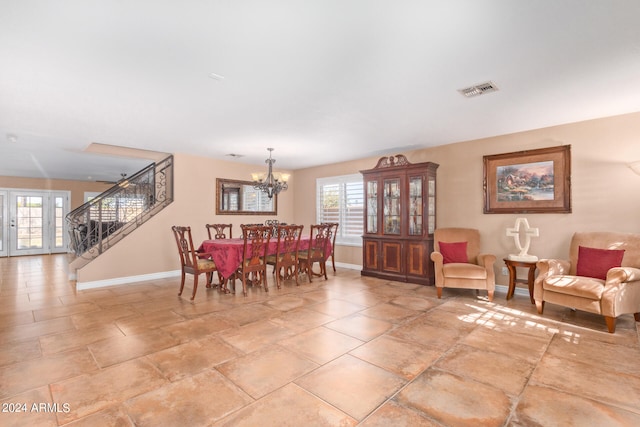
[342, 352]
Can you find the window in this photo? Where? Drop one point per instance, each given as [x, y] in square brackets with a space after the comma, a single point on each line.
[254, 200]
[341, 199]
[118, 208]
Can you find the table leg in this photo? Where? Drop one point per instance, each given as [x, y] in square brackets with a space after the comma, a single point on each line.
[532, 278]
[512, 281]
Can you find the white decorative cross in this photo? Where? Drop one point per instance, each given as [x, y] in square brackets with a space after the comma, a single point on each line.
[528, 233]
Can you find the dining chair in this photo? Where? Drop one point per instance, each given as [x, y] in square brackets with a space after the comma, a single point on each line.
[253, 267]
[333, 230]
[273, 223]
[317, 251]
[285, 260]
[190, 261]
[219, 231]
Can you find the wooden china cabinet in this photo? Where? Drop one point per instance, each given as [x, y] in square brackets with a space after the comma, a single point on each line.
[399, 220]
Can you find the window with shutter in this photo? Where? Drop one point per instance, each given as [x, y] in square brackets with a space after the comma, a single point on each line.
[341, 199]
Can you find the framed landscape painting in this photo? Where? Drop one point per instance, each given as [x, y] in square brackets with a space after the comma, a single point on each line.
[531, 181]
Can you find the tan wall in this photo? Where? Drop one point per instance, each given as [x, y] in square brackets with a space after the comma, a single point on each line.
[604, 190]
[77, 188]
[152, 248]
[604, 196]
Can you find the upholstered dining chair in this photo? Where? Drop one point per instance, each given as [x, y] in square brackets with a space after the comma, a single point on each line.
[285, 260]
[333, 230]
[317, 251]
[458, 263]
[219, 231]
[253, 267]
[190, 261]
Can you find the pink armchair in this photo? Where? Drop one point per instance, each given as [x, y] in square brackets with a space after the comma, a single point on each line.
[589, 280]
[458, 262]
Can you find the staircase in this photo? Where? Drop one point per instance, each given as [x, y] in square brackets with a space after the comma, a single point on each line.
[108, 218]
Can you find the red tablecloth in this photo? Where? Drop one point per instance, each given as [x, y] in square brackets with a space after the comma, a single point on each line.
[227, 253]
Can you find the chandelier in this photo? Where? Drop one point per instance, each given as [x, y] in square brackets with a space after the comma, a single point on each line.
[270, 183]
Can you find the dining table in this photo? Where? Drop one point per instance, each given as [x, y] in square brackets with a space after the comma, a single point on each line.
[227, 253]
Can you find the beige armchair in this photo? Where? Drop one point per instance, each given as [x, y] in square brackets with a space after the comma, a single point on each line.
[458, 262]
[585, 281]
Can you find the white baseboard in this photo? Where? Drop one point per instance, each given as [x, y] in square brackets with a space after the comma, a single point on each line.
[345, 265]
[80, 286]
[518, 291]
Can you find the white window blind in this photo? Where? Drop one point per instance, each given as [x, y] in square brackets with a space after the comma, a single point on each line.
[256, 200]
[341, 199]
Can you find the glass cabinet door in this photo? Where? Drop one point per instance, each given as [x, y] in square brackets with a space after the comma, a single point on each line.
[431, 218]
[372, 206]
[415, 206]
[391, 202]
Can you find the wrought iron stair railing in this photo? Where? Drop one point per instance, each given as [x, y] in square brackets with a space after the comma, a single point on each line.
[103, 221]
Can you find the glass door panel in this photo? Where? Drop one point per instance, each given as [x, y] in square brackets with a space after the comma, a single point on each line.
[415, 206]
[58, 223]
[372, 206]
[28, 232]
[391, 203]
[431, 208]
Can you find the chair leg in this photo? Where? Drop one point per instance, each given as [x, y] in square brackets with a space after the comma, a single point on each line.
[540, 306]
[611, 323]
[182, 283]
[195, 286]
[263, 275]
[439, 292]
[636, 316]
[244, 284]
[333, 262]
[209, 279]
[490, 295]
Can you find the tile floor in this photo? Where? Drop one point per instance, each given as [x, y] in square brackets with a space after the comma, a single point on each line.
[342, 352]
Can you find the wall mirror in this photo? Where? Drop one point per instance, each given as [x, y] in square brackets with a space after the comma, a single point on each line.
[235, 197]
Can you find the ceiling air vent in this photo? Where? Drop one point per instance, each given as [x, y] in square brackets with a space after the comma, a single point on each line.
[478, 89]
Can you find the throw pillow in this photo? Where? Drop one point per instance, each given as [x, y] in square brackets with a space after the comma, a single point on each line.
[594, 262]
[453, 252]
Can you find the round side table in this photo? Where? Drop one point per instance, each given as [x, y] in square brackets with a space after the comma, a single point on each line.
[513, 277]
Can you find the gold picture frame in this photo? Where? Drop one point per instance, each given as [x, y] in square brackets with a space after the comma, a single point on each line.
[530, 181]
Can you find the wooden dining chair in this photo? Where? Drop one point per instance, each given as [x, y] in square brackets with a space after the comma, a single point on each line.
[219, 231]
[333, 232]
[274, 223]
[317, 252]
[285, 260]
[253, 268]
[190, 260]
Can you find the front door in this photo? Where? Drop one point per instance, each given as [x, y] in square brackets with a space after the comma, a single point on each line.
[35, 222]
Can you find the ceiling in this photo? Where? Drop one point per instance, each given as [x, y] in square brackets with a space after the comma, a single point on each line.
[319, 81]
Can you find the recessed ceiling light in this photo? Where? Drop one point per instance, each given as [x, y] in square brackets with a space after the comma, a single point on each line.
[234, 155]
[215, 76]
[12, 138]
